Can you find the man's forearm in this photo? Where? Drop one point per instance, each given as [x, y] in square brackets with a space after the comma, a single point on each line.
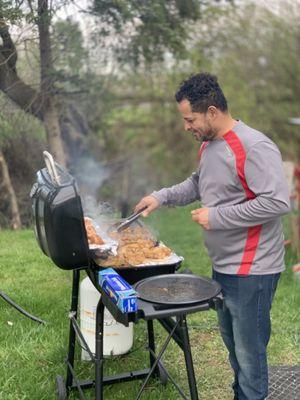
[250, 213]
[181, 194]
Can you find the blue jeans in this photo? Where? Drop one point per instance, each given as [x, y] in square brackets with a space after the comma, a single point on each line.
[245, 328]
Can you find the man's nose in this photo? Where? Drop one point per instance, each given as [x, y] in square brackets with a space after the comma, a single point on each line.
[187, 126]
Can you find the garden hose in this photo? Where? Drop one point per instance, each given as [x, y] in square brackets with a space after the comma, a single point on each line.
[20, 309]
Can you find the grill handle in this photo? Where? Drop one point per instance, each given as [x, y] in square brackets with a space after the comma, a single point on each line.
[51, 168]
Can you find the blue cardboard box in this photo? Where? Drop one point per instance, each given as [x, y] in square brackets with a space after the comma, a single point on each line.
[121, 293]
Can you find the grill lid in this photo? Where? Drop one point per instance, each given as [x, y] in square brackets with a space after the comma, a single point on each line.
[177, 289]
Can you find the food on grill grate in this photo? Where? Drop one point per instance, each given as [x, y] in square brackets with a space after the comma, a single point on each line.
[132, 234]
[136, 254]
[93, 237]
[136, 246]
[158, 252]
[62, 236]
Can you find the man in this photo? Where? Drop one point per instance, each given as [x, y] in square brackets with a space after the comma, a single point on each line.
[241, 185]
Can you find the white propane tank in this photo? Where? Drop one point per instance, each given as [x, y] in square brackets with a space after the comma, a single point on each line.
[118, 339]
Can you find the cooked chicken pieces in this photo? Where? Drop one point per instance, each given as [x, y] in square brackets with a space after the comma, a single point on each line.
[93, 237]
[136, 246]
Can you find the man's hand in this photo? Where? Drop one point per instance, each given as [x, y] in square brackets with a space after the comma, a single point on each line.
[148, 201]
[200, 215]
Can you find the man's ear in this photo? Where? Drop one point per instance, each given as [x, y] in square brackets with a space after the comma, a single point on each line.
[212, 112]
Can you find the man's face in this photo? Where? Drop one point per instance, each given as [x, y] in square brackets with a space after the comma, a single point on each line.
[199, 124]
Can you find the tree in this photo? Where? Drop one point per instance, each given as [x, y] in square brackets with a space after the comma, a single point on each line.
[6, 185]
[40, 103]
[136, 32]
[147, 29]
[144, 30]
[21, 140]
[50, 112]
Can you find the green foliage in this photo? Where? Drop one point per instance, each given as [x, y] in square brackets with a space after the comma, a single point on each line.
[11, 11]
[14, 123]
[141, 133]
[68, 49]
[247, 48]
[146, 29]
[256, 59]
[6, 129]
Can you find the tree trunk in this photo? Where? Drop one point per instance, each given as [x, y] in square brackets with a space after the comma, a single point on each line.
[50, 117]
[27, 98]
[68, 128]
[40, 103]
[51, 123]
[15, 214]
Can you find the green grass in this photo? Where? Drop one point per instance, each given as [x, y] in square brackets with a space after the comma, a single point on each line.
[32, 355]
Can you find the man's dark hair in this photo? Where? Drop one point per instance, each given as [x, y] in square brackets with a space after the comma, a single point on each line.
[202, 90]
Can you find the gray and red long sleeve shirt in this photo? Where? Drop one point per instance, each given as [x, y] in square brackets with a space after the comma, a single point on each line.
[240, 177]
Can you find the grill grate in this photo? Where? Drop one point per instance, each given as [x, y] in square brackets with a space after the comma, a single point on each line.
[284, 382]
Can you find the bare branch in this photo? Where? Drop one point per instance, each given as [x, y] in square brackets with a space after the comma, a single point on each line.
[30, 6]
[18, 91]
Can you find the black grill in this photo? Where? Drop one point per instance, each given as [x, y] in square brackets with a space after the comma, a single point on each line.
[61, 234]
[60, 229]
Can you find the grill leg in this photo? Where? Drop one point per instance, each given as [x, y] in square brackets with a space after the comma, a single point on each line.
[99, 351]
[72, 335]
[188, 357]
[151, 343]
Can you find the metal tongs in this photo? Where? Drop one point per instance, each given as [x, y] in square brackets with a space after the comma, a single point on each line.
[119, 226]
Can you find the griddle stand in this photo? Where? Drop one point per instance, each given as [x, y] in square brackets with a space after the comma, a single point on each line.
[173, 319]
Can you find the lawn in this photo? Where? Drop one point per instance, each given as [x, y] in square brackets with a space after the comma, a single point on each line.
[31, 355]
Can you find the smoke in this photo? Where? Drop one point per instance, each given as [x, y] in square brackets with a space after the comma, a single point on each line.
[90, 175]
[94, 209]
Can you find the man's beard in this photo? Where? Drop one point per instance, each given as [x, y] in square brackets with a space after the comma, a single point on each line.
[207, 138]
[209, 135]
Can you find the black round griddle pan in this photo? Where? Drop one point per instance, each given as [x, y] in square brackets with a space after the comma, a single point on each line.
[177, 289]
